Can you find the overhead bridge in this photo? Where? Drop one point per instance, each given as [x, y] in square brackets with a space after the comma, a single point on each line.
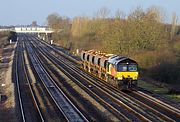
[38, 29]
[42, 32]
[32, 30]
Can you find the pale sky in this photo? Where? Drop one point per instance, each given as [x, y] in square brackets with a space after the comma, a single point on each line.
[22, 12]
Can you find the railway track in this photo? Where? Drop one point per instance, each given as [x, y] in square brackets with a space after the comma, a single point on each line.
[26, 96]
[155, 102]
[18, 86]
[99, 99]
[103, 101]
[95, 96]
[159, 116]
[70, 112]
[114, 110]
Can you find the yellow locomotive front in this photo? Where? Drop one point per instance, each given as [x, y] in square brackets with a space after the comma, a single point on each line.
[124, 71]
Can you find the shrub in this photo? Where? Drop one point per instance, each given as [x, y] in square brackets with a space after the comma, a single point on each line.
[160, 65]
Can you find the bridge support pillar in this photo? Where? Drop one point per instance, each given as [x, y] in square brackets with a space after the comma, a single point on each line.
[38, 35]
[46, 36]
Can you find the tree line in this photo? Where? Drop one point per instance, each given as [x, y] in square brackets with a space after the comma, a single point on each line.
[142, 35]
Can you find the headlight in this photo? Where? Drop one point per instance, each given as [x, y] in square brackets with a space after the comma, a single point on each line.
[120, 77]
[135, 77]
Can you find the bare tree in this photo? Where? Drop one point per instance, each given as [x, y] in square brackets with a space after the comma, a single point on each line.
[54, 21]
[61, 26]
[103, 13]
[34, 23]
[120, 14]
[137, 14]
[174, 25]
[155, 13]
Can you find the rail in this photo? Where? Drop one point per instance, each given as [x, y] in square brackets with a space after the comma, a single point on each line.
[69, 110]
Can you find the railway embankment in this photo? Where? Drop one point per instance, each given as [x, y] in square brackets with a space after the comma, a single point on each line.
[170, 91]
[7, 90]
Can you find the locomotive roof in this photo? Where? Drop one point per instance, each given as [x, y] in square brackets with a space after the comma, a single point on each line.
[115, 59]
[121, 59]
[127, 60]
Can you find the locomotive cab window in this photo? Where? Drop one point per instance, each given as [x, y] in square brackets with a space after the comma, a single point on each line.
[132, 67]
[121, 67]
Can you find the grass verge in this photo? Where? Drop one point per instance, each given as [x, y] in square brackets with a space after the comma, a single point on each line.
[159, 90]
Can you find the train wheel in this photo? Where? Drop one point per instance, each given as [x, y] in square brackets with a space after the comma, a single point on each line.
[134, 85]
[121, 86]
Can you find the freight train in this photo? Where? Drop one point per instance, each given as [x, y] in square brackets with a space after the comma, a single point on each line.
[119, 71]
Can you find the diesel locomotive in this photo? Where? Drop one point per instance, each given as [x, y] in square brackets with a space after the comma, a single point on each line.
[119, 71]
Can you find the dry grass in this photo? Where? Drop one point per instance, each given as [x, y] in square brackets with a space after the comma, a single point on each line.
[161, 90]
[7, 107]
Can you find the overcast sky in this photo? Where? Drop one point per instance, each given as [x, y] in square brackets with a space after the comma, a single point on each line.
[17, 12]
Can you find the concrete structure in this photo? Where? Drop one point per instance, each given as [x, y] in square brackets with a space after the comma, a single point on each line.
[43, 32]
[32, 30]
[37, 29]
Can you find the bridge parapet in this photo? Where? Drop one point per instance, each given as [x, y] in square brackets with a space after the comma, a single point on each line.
[33, 30]
[29, 29]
